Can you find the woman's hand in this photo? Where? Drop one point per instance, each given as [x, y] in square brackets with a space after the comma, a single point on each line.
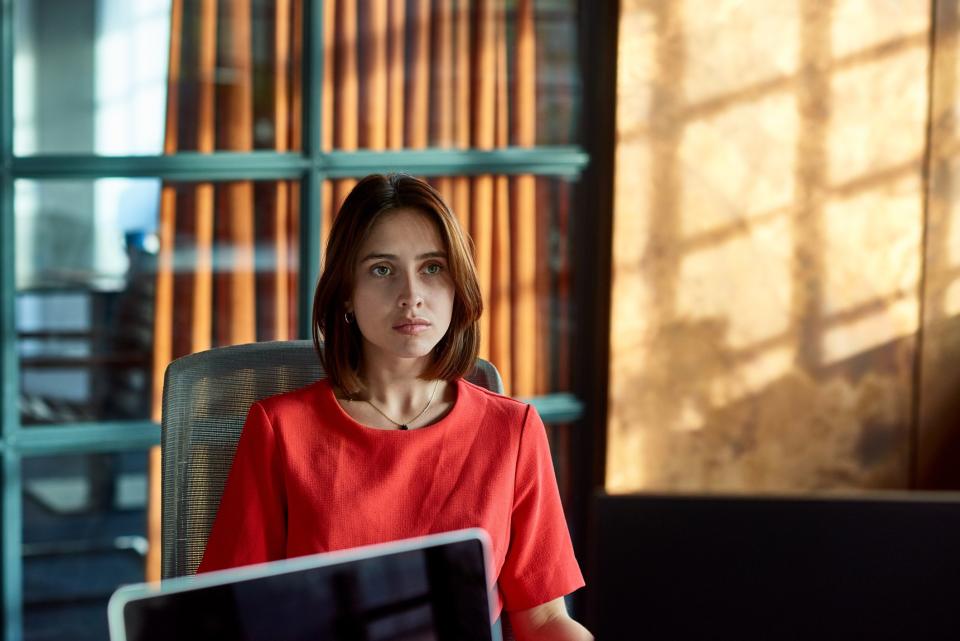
[547, 622]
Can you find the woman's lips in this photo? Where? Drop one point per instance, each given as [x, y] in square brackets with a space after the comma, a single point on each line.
[412, 329]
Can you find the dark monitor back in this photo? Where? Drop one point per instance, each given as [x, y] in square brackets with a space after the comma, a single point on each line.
[713, 567]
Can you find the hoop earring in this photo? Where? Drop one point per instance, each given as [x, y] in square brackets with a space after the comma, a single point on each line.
[346, 318]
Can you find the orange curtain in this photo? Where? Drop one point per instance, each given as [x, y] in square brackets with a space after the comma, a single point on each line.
[444, 73]
[227, 269]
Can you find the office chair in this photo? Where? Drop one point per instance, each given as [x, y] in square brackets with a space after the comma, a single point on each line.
[206, 397]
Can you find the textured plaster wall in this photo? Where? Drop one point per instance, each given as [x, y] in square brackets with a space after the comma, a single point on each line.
[769, 244]
[938, 442]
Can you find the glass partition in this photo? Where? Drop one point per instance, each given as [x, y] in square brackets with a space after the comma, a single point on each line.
[146, 77]
[112, 272]
[84, 533]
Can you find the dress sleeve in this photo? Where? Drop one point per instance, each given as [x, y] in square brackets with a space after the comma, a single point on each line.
[251, 522]
[540, 564]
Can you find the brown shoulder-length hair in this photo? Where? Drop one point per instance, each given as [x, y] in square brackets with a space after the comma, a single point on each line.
[375, 195]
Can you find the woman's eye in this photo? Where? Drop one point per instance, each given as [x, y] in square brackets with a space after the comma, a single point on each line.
[433, 268]
[381, 270]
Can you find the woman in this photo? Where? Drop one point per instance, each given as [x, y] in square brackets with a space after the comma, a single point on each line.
[394, 443]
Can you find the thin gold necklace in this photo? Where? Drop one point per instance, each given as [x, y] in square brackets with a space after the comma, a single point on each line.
[406, 426]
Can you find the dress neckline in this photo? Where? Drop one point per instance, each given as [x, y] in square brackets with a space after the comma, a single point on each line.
[448, 418]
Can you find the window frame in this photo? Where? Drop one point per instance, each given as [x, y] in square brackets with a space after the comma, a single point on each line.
[311, 166]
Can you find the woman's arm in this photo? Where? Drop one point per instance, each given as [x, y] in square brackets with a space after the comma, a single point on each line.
[547, 622]
[250, 526]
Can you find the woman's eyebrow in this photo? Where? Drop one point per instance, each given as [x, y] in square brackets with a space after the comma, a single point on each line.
[438, 254]
[377, 257]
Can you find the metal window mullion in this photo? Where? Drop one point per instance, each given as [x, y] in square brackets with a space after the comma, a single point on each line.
[311, 79]
[187, 166]
[6, 81]
[543, 161]
[85, 438]
[11, 562]
[11, 569]
[11, 565]
[309, 268]
[193, 167]
[312, 185]
[11, 587]
[561, 407]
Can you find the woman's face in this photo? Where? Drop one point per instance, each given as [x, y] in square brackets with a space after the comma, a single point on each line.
[403, 292]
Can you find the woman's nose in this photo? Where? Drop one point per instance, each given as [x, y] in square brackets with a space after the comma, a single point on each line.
[410, 296]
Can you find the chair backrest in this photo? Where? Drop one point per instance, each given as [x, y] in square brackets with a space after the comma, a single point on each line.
[206, 397]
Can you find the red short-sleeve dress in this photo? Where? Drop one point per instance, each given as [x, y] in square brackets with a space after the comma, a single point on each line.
[307, 478]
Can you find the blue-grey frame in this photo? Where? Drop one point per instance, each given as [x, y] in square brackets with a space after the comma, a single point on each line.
[10, 533]
[311, 167]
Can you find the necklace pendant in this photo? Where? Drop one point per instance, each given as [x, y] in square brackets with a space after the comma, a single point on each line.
[404, 427]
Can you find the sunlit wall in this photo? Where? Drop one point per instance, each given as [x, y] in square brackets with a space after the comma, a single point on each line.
[772, 244]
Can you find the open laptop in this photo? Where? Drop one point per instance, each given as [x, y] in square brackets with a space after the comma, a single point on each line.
[436, 587]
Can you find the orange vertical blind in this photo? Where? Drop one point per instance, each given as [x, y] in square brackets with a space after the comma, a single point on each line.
[461, 74]
[226, 271]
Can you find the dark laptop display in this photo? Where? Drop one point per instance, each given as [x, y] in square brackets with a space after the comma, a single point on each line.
[432, 588]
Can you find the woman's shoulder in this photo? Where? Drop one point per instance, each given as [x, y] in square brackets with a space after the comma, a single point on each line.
[294, 400]
[493, 404]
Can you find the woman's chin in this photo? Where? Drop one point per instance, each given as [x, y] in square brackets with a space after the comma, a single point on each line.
[407, 349]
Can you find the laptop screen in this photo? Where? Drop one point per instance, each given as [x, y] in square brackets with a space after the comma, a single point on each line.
[431, 588]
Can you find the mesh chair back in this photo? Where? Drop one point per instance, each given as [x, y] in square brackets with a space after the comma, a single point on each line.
[206, 397]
